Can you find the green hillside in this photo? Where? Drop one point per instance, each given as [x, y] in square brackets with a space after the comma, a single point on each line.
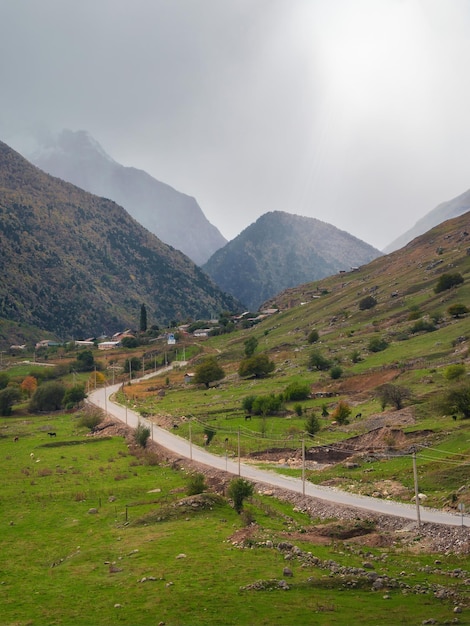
[77, 265]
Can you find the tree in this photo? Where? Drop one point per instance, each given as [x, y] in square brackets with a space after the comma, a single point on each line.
[143, 319]
[48, 397]
[196, 484]
[369, 302]
[258, 366]
[297, 390]
[73, 396]
[318, 362]
[208, 372]
[267, 405]
[29, 385]
[457, 400]
[341, 413]
[250, 346]
[8, 397]
[457, 310]
[134, 364]
[85, 361]
[392, 394]
[447, 281]
[312, 425]
[238, 490]
[4, 380]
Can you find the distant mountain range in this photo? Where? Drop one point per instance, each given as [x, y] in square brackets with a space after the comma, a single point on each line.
[174, 217]
[281, 250]
[75, 264]
[444, 211]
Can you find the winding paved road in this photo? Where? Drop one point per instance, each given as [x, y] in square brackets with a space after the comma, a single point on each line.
[184, 448]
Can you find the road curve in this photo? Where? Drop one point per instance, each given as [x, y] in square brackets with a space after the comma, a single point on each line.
[182, 447]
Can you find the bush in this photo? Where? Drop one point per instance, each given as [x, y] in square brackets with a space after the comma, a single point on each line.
[377, 344]
[48, 397]
[247, 403]
[207, 372]
[73, 396]
[91, 417]
[318, 361]
[457, 310]
[454, 372]
[209, 434]
[141, 435]
[313, 336]
[298, 409]
[250, 346]
[421, 326]
[447, 281]
[312, 425]
[8, 397]
[369, 302]
[392, 394]
[341, 413]
[336, 372]
[457, 400]
[297, 391]
[268, 405]
[258, 366]
[238, 490]
[196, 484]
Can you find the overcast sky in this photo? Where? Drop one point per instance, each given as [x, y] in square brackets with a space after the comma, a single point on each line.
[355, 112]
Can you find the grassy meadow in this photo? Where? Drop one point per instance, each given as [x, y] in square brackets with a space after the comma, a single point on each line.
[88, 538]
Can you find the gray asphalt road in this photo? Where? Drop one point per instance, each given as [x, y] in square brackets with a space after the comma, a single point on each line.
[184, 448]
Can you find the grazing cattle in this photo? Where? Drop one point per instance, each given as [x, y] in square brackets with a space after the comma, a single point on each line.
[175, 426]
[32, 455]
[226, 439]
[51, 434]
[358, 415]
[454, 417]
[247, 417]
[16, 439]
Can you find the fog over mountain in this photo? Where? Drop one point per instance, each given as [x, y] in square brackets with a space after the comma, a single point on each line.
[444, 211]
[174, 217]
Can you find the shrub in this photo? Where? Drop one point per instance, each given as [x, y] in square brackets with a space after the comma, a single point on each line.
[8, 397]
[298, 409]
[258, 366]
[392, 394]
[356, 356]
[457, 310]
[209, 434]
[318, 361]
[422, 326]
[341, 413]
[196, 484]
[247, 403]
[369, 302]
[267, 405]
[238, 490]
[312, 425]
[250, 346]
[377, 344]
[48, 397]
[297, 391]
[91, 417]
[336, 372]
[313, 336]
[141, 435]
[454, 372]
[457, 400]
[73, 396]
[209, 371]
[447, 281]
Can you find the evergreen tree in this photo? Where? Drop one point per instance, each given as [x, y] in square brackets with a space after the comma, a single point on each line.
[143, 319]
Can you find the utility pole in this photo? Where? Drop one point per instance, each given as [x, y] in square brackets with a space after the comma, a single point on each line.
[415, 475]
[303, 467]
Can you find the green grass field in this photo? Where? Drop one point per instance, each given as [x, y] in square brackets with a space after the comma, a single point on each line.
[64, 564]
